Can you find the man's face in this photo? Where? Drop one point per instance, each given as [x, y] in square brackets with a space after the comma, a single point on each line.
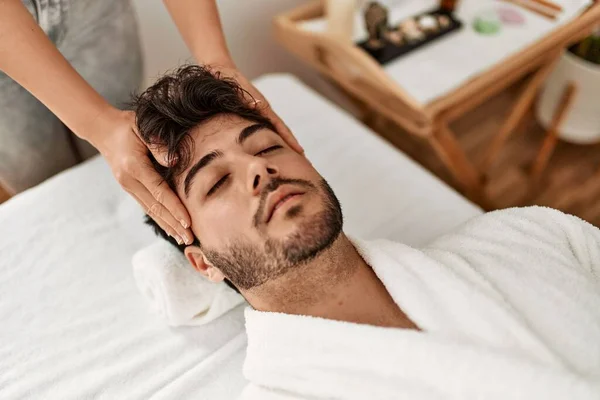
[258, 208]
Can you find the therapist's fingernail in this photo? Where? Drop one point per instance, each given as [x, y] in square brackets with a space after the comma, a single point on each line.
[179, 241]
[184, 224]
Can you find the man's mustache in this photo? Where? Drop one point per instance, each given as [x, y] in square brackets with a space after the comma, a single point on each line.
[273, 186]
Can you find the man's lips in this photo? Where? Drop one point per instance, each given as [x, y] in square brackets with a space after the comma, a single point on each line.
[278, 198]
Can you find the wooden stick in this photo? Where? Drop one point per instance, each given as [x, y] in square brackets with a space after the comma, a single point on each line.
[535, 8]
[549, 4]
[562, 109]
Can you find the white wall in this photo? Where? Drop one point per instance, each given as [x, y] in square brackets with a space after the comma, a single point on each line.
[247, 25]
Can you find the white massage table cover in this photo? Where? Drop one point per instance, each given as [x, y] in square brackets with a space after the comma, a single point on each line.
[73, 323]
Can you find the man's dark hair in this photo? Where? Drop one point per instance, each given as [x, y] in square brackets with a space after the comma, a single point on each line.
[178, 102]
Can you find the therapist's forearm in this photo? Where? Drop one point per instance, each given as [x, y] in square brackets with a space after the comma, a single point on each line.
[32, 60]
[199, 25]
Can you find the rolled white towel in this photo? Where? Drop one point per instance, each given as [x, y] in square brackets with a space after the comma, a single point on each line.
[176, 291]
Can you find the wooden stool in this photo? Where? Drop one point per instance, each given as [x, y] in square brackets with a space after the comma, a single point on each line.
[549, 144]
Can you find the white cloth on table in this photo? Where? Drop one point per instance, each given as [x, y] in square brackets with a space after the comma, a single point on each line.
[509, 307]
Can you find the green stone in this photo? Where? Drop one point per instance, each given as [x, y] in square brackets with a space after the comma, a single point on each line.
[487, 26]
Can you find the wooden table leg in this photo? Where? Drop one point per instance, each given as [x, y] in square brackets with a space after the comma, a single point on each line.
[519, 110]
[560, 113]
[446, 146]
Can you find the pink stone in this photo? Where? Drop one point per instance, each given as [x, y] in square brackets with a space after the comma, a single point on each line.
[510, 16]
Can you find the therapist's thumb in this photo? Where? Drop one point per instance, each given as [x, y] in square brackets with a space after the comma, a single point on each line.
[283, 130]
[160, 153]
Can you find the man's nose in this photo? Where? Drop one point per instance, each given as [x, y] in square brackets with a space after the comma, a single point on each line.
[260, 174]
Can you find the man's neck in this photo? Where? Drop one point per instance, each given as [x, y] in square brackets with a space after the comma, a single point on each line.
[338, 285]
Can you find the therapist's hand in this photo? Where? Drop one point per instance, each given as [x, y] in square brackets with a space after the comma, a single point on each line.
[263, 106]
[126, 152]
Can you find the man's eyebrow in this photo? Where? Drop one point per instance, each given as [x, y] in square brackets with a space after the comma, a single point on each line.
[250, 130]
[204, 161]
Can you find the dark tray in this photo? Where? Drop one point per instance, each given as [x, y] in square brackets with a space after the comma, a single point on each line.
[390, 51]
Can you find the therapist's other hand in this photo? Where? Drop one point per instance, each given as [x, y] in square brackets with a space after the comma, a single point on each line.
[263, 106]
[127, 155]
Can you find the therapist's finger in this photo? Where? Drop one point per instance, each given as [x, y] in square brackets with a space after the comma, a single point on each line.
[283, 130]
[160, 153]
[163, 225]
[157, 198]
[163, 194]
[287, 134]
[165, 220]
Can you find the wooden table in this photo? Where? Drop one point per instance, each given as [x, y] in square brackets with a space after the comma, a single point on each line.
[361, 77]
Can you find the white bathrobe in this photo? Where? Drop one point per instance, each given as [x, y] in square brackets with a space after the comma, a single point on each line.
[509, 307]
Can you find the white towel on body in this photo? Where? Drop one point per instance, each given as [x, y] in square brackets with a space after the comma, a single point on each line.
[176, 291]
[508, 306]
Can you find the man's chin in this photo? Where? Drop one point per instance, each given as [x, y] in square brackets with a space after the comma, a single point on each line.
[305, 236]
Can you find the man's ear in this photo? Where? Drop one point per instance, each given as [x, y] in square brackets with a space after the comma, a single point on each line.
[196, 257]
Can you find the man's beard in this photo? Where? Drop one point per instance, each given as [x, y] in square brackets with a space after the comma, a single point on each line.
[248, 266]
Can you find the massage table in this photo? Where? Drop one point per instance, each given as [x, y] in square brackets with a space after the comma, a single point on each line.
[74, 325]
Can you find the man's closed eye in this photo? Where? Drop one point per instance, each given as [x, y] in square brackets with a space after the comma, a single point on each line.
[269, 149]
[217, 185]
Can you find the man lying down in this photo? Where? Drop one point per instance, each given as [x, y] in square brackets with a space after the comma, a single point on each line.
[507, 307]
